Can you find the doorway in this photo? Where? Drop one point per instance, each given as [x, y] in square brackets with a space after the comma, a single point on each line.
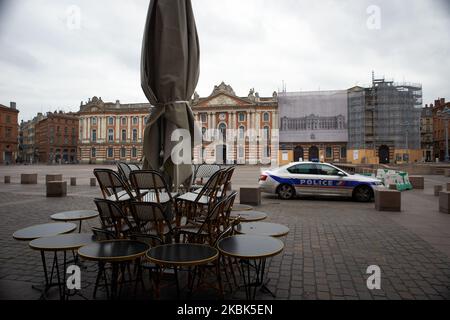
[383, 154]
[313, 153]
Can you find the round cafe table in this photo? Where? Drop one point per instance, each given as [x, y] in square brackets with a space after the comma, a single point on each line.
[40, 231]
[253, 251]
[77, 215]
[241, 207]
[179, 255]
[43, 230]
[115, 252]
[248, 216]
[262, 229]
[55, 244]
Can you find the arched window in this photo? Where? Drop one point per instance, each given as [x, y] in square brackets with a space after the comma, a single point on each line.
[94, 135]
[111, 121]
[135, 135]
[135, 121]
[266, 117]
[223, 130]
[241, 132]
[124, 135]
[124, 121]
[94, 121]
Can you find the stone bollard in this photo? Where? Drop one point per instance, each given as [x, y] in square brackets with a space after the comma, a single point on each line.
[73, 181]
[437, 190]
[57, 189]
[7, 179]
[250, 195]
[447, 172]
[93, 182]
[26, 178]
[53, 177]
[444, 202]
[388, 200]
[417, 182]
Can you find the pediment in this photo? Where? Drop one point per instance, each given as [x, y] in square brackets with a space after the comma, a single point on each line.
[223, 99]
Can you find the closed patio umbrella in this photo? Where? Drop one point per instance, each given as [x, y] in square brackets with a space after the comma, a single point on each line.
[169, 75]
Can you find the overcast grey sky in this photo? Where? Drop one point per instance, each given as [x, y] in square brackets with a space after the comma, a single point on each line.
[48, 63]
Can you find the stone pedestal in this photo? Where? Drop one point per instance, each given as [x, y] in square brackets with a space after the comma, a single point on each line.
[250, 196]
[7, 179]
[447, 172]
[73, 181]
[444, 202]
[93, 182]
[53, 177]
[26, 178]
[448, 186]
[437, 190]
[417, 182]
[57, 189]
[388, 200]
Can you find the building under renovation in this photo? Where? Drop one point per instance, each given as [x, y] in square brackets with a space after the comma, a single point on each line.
[384, 123]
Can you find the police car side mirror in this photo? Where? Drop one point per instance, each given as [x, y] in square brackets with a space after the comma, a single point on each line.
[341, 174]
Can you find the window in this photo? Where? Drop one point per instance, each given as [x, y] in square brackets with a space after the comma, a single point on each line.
[93, 121]
[8, 119]
[111, 121]
[203, 117]
[323, 169]
[266, 117]
[124, 121]
[73, 131]
[306, 168]
[241, 152]
[66, 140]
[93, 152]
[266, 133]
[135, 121]
[134, 152]
[203, 131]
[74, 140]
[124, 135]
[110, 153]
[135, 135]
[241, 116]
[241, 132]
[8, 132]
[110, 135]
[66, 131]
[329, 152]
[94, 135]
[123, 152]
[343, 152]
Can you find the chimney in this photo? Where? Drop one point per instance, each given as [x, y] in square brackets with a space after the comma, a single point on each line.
[118, 104]
[12, 105]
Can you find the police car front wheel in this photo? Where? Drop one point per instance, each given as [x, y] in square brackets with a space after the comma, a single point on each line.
[286, 192]
[363, 194]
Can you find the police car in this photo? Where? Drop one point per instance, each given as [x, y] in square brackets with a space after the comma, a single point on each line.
[311, 179]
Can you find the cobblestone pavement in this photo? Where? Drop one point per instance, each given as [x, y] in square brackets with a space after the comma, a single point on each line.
[330, 245]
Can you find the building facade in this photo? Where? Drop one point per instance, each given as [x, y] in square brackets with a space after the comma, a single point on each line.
[9, 134]
[27, 140]
[439, 128]
[426, 133]
[110, 132]
[236, 129]
[384, 123]
[56, 137]
[313, 126]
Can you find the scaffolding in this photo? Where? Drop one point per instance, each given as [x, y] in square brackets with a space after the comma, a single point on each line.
[385, 114]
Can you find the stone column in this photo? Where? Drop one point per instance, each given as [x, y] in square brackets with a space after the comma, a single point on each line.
[129, 120]
[141, 120]
[117, 129]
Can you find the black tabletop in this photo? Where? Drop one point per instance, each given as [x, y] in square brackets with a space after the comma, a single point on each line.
[44, 230]
[241, 207]
[250, 247]
[113, 250]
[62, 242]
[182, 254]
[75, 215]
[249, 216]
[263, 229]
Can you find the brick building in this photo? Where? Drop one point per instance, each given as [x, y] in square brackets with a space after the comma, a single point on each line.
[28, 152]
[426, 133]
[439, 128]
[111, 132]
[8, 133]
[57, 138]
[236, 130]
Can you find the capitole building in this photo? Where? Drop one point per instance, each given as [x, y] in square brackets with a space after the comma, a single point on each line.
[236, 130]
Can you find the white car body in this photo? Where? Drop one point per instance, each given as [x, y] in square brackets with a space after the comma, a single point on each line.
[313, 178]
